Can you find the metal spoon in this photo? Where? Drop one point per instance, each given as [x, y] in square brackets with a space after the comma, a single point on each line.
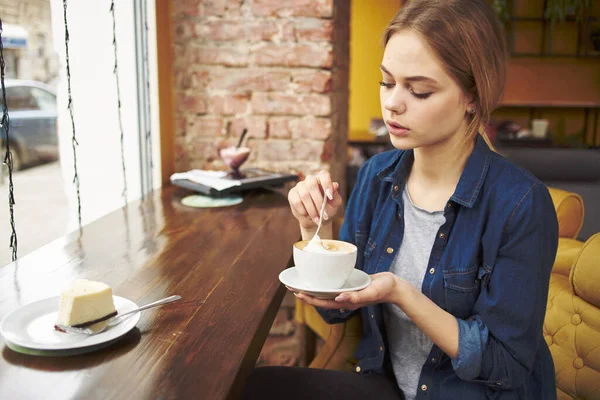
[321, 214]
[101, 326]
[316, 239]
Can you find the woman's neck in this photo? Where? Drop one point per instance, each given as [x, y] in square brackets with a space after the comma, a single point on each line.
[443, 163]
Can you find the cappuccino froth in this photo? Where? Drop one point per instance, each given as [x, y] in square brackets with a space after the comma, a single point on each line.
[334, 246]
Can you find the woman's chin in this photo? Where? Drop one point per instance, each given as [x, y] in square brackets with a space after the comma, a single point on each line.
[403, 143]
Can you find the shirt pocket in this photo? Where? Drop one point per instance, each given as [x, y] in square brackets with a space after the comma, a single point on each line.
[462, 286]
[366, 246]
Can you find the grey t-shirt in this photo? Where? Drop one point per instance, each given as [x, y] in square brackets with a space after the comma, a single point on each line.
[408, 345]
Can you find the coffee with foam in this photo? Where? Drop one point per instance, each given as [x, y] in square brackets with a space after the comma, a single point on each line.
[333, 246]
[326, 267]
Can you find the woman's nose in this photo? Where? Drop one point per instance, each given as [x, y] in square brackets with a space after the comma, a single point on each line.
[395, 102]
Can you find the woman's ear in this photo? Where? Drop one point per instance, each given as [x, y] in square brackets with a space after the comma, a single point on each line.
[470, 103]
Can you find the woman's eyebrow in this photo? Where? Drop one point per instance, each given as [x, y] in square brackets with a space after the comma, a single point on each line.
[384, 69]
[418, 78]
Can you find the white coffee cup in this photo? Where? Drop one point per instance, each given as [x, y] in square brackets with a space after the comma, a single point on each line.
[539, 128]
[328, 270]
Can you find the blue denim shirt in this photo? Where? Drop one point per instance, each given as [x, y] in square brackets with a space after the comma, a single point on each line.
[489, 267]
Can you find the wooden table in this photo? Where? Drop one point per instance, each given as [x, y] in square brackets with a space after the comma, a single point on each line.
[224, 262]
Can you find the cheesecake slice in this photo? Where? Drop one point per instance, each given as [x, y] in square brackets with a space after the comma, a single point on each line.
[85, 303]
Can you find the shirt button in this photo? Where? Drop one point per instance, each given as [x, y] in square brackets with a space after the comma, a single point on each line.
[442, 235]
[357, 369]
[424, 388]
[389, 250]
[396, 188]
[342, 310]
[433, 360]
[431, 270]
[372, 316]
[449, 205]
[380, 348]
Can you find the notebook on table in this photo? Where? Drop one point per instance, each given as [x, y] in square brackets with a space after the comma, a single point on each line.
[219, 184]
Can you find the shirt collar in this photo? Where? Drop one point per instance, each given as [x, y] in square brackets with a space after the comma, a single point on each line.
[469, 184]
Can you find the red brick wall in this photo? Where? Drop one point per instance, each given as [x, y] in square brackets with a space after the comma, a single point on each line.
[277, 67]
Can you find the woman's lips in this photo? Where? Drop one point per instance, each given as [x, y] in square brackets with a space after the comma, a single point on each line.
[397, 129]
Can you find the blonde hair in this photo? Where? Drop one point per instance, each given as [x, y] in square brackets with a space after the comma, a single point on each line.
[468, 38]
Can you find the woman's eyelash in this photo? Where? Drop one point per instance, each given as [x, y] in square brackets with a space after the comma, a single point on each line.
[420, 96]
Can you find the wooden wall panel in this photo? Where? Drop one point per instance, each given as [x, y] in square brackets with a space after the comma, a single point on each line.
[164, 38]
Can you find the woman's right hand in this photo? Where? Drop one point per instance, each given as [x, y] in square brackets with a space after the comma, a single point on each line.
[306, 199]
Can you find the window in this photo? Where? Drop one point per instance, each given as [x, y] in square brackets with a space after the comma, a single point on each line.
[37, 99]
[19, 98]
[45, 100]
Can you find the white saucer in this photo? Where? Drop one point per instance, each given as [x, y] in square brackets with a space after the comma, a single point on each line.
[358, 280]
[32, 327]
[200, 201]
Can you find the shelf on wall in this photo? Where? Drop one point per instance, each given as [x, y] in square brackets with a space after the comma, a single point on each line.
[591, 117]
[549, 104]
[541, 19]
[595, 54]
[523, 31]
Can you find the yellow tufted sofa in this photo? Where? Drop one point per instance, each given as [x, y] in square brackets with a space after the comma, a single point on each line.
[571, 327]
[570, 211]
[572, 324]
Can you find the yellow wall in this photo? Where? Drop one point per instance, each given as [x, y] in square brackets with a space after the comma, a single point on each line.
[368, 20]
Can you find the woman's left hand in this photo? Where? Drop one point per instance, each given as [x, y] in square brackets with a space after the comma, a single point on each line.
[383, 289]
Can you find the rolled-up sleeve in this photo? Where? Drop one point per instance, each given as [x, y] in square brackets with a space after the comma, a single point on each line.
[499, 342]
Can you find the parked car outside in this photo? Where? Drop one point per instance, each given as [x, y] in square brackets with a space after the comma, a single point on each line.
[33, 128]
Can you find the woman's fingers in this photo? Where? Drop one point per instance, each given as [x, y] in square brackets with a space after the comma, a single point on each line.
[306, 198]
[334, 204]
[313, 301]
[307, 194]
[290, 289]
[317, 198]
[329, 188]
[296, 204]
[325, 180]
[336, 200]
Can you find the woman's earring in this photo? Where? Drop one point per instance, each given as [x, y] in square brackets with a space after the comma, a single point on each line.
[473, 110]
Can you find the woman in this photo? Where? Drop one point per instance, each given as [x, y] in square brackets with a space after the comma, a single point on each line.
[459, 242]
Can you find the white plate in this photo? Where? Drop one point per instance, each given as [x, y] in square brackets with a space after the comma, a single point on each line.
[57, 353]
[358, 280]
[32, 327]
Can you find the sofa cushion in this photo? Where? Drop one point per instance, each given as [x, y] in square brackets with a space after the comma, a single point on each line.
[584, 276]
[568, 250]
[569, 210]
[572, 331]
[572, 325]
